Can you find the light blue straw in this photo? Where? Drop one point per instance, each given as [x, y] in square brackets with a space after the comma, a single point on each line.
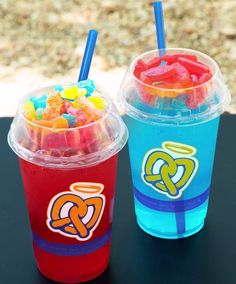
[88, 55]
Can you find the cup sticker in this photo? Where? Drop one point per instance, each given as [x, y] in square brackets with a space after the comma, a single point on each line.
[170, 169]
[77, 213]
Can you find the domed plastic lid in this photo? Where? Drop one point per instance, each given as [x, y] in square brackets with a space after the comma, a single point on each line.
[178, 104]
[69, 147]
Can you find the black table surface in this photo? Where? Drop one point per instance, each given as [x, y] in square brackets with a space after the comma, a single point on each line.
[207, 257]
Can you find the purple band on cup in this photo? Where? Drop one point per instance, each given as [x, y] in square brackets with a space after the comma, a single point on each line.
[171, 206]
[71, 249]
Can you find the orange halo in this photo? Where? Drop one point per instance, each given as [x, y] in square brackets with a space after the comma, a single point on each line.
[87, 187]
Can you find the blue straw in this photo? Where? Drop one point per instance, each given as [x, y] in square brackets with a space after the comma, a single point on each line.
[161, 43]
[159, 20]
[88, 55]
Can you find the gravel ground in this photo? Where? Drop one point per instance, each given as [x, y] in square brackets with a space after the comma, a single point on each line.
[43, 40]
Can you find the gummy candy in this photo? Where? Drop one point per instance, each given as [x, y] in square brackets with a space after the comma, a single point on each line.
[39, 102]
[72, 120]
[97, 102]
[193, 66]
[172, 58]
[205, 77]
[154, 62]
[196, 98]
[88, 108]
[82, 92]
[39, 113]
[65, 107]
[71, 93]
[59, 88]
[176, 74]
[182, 78]
[29, 110]
[50, 113]
[139, 68]
[79, 114]
[88, 85]
[57, 122]
[194, 79]
[158, 73]
[54, 100]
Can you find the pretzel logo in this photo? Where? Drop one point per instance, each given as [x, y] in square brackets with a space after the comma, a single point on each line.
[170, 169]
[77, 213]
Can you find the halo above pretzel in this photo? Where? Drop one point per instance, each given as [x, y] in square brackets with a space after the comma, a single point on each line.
[179, 148]
[87, 187]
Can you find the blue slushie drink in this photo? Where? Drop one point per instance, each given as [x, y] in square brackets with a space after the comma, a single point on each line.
[173, 104]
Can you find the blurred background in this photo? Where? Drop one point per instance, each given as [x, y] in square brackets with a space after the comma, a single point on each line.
[42, 41]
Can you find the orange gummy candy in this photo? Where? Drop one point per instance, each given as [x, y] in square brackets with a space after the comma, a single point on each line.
[57, 122]
[54, 100]
[50, 113]
[88, 108]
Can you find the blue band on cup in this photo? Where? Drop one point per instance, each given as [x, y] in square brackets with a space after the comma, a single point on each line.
[171, 206]
[71, 249]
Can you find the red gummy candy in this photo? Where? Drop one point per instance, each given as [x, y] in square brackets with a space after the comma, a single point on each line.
[183, 76]
[139, 68]
[205, 77]
[154, 62]
[193, 67]
[172, 58]
[65, 105]
[194, 79]
[159, 73]
[196, 98]
[147, 98]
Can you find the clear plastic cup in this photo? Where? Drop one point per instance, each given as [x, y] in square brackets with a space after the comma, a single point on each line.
[69, 181]
[172, 142]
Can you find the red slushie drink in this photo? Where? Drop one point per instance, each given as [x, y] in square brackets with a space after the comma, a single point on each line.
[67, 138]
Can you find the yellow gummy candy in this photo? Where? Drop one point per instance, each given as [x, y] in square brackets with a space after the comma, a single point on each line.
[97, 102]
[82, 92]
[29, 110]
[75, 104]
[73, 92]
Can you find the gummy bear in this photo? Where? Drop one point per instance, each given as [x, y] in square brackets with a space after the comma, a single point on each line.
[88, 108]
[71, 93]
[39, 113]
[79, 114]
[88, 85]
[54, 100]
[57, 122]
[97, 102]
[29, 110]
[40, 102]
[50, 113]
[72, 120]
[59, 89]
